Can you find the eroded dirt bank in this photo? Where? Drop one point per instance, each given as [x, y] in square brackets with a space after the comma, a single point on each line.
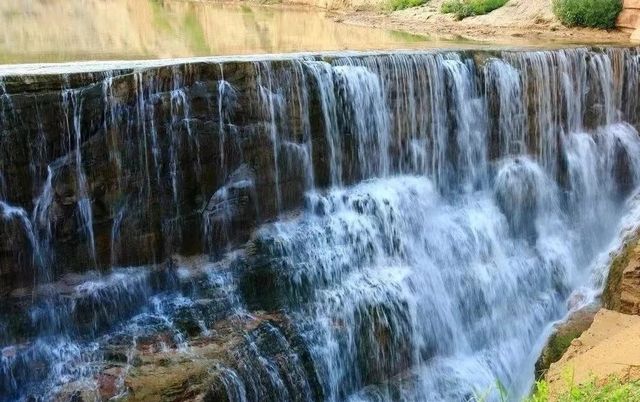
[610, 347]
[519, 22]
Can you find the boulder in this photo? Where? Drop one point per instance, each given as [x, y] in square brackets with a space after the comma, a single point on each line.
[564, 334]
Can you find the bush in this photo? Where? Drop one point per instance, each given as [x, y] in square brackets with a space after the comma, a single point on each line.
[450, 6]
[467, 8]
[402, 4]
[588, 13]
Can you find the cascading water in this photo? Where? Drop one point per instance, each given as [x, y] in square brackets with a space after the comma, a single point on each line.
[420, 221]
[72, 105]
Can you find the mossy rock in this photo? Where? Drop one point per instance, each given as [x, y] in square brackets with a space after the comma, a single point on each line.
[562, 337]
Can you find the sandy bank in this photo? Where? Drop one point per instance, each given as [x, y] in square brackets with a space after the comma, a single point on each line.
[518, 22]
[610, 347]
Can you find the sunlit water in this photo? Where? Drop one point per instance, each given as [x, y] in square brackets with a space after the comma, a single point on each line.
[60, 30]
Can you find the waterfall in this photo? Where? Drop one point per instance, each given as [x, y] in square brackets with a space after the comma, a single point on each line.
[274, 107]
[339, 227]
[11, 212]
[323, 75]
[381, 282]
[365, 117]
[503, 80]
[72, 107]
[226, 95]
[41, 218]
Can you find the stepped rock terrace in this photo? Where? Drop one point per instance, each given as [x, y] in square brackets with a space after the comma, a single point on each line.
[347, 226]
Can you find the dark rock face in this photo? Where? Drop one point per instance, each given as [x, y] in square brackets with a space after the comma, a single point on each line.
[15, 253]
[155, 146]
[127, 167]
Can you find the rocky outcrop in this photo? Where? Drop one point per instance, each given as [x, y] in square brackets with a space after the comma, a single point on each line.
[198, 346]
[563, 336]
[610, 347]
[606, 345]
[155, 146]
[216, 366]
[622, 289]
[629, 19]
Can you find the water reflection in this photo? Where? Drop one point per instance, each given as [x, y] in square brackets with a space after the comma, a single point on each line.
[63, 30]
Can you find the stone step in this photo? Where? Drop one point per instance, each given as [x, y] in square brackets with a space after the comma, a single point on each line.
[631, 4]
[629, 19]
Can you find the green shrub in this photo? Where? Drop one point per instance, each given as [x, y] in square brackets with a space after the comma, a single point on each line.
[450, 6]
[588, 13]
[467, 8]
[402, 4]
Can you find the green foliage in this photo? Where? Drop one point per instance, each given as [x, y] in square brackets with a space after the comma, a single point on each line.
[612, 390]
[450, 6]
[402, 4]
[467, 8]
[588, 13]
[503, 393]
[559, 343]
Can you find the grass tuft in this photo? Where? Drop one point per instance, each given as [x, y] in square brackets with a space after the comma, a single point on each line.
[612, 390]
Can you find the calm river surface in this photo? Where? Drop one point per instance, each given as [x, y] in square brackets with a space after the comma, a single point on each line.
[60, 30]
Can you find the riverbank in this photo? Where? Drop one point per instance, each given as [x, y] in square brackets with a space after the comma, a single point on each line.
[519, 22]
[608, 347]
